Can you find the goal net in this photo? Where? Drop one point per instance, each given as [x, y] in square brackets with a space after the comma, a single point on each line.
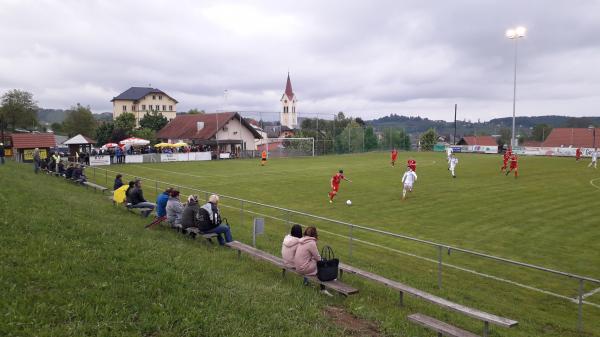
[287, 147]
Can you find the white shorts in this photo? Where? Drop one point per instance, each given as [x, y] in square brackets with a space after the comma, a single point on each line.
[408, 186]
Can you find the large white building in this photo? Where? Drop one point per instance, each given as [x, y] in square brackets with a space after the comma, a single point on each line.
[140, 100]
[288, 116]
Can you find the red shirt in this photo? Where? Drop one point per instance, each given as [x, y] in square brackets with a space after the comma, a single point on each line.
[394, 154]
[337, 178]
[513, 161]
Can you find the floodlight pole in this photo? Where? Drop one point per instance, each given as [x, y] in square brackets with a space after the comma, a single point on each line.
[455, 107]
[514, 95]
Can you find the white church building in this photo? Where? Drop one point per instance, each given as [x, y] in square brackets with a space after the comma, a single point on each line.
[288, 116]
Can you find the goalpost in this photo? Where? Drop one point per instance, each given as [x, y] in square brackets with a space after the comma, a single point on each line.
[289, 147]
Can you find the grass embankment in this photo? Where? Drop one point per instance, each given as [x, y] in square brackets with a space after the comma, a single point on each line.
[545, 217]
[71, 264]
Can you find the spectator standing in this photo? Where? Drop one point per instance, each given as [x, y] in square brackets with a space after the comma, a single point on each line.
[36, 160]
[1, 154]
[137, 199]
[118, 182]
[215, 225]
[56, 159]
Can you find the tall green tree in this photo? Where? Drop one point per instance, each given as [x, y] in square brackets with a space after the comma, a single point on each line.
[145, 133]
[103, 133]
[540, 132]
[153, 121]
[79, 120]
[18, 109]
[395, 138]
[195, 111]
[428, 140]
[125, 122]
[505, 135]
[370, 139]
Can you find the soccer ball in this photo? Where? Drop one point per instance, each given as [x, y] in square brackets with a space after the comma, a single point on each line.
[348, 202]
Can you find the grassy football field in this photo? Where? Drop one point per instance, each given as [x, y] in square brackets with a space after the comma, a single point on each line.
[547, 217]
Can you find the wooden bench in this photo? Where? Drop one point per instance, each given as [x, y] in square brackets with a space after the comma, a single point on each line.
[402, 288]
[443, 329]
[95, 186]
[334, 285]
[193, 232]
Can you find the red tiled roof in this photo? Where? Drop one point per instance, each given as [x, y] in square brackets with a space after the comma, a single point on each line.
[33, 140]
[185, 126]
[480, 140]
[288, 88]
[576, 137]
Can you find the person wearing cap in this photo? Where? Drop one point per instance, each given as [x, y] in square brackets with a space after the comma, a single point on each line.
[215, 224]
[1, 154]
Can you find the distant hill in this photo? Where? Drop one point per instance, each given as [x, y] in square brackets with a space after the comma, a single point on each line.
[52, 115]
[418, 124]
[104, 116]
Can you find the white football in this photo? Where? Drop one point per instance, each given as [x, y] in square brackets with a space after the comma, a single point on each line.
[348, 202]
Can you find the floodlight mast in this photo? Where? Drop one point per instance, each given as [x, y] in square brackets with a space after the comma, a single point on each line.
[515, 34]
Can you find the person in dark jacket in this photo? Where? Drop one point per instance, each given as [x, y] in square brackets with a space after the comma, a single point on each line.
[215, 224]
[1, 154]
[69, 171]
[191, 213]
[137, 199]
[118, 182]
[127, 194]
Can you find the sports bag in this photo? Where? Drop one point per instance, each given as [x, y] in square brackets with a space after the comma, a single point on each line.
[327, 268]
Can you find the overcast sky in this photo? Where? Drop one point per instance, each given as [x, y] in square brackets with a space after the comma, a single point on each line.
[366, 58]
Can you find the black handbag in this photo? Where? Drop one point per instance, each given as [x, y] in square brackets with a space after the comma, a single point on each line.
[327, 268]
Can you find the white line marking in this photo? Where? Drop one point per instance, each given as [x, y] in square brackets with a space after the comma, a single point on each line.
[546, 292]
[591, 293]
[592, 183]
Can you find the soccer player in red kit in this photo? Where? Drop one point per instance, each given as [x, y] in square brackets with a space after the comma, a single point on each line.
[577, 154]
[505, 159]
[335, 184]
[514, 165]
[412, 164]
[394, 156]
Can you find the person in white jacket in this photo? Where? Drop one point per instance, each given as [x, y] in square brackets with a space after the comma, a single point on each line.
[408, 179]
[594, 158]
[453, 163]
[289, 245]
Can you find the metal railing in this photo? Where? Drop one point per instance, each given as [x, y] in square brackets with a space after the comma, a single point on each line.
[244, 205]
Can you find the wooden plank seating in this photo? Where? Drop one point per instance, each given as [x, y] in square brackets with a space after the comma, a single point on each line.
[443, 329]
[194, 232]
[95, 186]
[334, 285]
[402, 288]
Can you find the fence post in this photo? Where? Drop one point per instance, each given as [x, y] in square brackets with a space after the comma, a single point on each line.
[440, 267]
[94, 169]
[351, 238]
[242, 213]
[106, 176]
[580, 307]
[156, 187]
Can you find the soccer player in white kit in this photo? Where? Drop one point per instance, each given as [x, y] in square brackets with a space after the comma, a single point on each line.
[449, 155]
[408, 179]
[594, 158]
[453, 163]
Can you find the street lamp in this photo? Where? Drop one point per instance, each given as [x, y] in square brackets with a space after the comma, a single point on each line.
[515, 34]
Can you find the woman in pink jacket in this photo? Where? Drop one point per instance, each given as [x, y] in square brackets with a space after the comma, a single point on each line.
[307, 253]
[290, 244]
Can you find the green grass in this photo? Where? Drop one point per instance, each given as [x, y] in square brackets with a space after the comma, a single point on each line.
[546, 217]
[74, 265]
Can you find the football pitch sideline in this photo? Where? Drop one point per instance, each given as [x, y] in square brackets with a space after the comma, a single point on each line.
[547, 217]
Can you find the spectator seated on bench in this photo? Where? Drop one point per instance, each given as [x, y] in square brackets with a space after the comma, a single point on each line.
[118, 182]
[289, 245]
[174, 210]
[214, 223]
[135, 196]
[78, 174]
[307, 255]
[69, 171]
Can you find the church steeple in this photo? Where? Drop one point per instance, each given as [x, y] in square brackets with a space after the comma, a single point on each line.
[288, 100]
